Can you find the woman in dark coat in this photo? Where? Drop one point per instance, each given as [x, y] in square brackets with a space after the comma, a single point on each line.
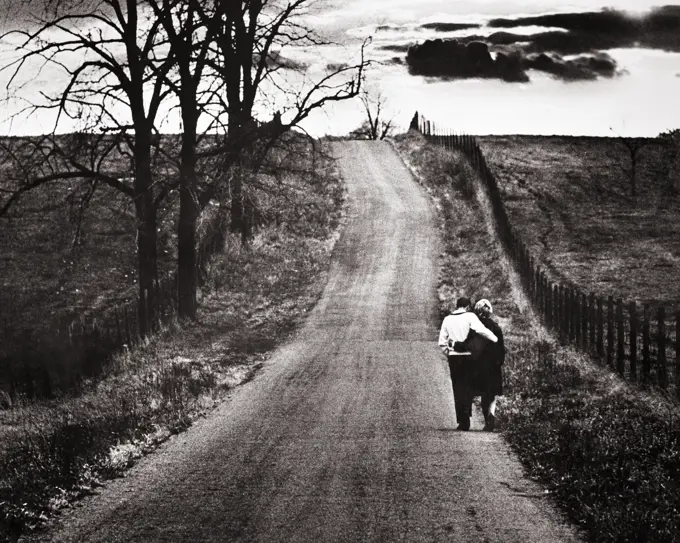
[489, 377]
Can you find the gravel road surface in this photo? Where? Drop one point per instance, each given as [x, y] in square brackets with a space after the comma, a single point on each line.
[348, 432]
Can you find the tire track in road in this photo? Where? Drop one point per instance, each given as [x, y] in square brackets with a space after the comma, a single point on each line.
[347, 433]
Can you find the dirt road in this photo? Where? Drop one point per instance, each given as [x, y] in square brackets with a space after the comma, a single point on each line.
[348, 433]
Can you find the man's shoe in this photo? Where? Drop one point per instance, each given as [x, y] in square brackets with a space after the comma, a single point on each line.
[490, 423]
[464, 426]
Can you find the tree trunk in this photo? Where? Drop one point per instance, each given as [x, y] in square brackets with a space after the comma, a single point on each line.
[189, 210]
[237, 223]
[239, 140]
[187, 270]
[147, 253]
[147, 263]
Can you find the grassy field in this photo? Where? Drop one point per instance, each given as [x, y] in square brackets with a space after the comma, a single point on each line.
[67, 255]
[44, 277]
[607, 453]
[53, 450]
[570, 198]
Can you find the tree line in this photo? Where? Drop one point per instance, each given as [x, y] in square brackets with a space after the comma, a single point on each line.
[127, 64]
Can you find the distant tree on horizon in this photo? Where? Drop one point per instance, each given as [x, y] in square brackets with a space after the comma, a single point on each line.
[376, 126]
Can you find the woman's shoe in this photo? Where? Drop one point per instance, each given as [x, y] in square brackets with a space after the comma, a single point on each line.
[490, 423]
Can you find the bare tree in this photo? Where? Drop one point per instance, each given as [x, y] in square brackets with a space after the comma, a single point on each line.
[633, 146]
[376, 126]
[248, 56]
[213, 60]
[239, 58]
[113, 89]
[670, 159]
[190, 31]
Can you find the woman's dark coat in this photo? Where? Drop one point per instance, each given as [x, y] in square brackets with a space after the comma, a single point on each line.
[487, 377]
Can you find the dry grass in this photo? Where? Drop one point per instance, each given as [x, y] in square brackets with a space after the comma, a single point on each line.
[607, 452]
[570, 199]
[51, 451]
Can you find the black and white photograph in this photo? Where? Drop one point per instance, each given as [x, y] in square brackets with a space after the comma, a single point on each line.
[339, 271]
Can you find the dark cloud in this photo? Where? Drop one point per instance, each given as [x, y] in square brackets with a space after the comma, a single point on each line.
[336, 66]
[454, 59]
[276, 60]
[585, 67]
[458, 60]
[566, 43]
[382, 28]
[601, 22]
[29, 14]
[397, 48]
[448, 27]
[585, 37]
[659, 28]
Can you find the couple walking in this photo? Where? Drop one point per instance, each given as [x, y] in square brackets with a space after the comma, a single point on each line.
[473, 344]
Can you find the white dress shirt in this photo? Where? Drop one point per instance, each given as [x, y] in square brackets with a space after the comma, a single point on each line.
[457, 326]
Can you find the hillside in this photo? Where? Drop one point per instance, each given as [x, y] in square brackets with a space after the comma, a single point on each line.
[570, 198]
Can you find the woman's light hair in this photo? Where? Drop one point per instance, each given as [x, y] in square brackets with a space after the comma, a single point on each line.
[483, 306]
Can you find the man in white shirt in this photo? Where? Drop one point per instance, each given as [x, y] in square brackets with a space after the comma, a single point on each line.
[455, 330]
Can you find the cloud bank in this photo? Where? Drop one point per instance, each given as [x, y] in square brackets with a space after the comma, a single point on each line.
[455, 59]
[509, 55]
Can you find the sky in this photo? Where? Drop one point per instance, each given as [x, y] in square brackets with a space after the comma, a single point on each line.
[639, 97]
[627, 90]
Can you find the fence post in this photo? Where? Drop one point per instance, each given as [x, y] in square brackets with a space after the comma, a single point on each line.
[677, 353]
[567, 314]
[646, 363]
[620, 360]
[662, 370]
[535, 278]
[610, 331]
[546, 297]
[592, 321]
[578, 315]
[584, 321]
[632, 310]
[572, 314]
[537, 288]
[564, 314]
[414, 122]
[600, 327]
[554, 293]
[127, 326]
[556, 307]
[119, 335]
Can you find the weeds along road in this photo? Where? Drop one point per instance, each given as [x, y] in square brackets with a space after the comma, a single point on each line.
[348, 432]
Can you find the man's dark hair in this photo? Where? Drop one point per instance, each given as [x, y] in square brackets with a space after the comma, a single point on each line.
[463, 302]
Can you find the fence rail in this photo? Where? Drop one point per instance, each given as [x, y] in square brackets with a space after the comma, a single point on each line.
[641, 342]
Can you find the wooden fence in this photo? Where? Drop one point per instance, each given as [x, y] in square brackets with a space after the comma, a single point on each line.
[639, 341]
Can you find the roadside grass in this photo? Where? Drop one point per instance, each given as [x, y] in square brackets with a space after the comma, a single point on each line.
[54, 450]
[570, 198]
[607, 452]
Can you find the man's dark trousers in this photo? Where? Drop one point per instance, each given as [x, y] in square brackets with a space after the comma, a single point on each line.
[460, 366]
